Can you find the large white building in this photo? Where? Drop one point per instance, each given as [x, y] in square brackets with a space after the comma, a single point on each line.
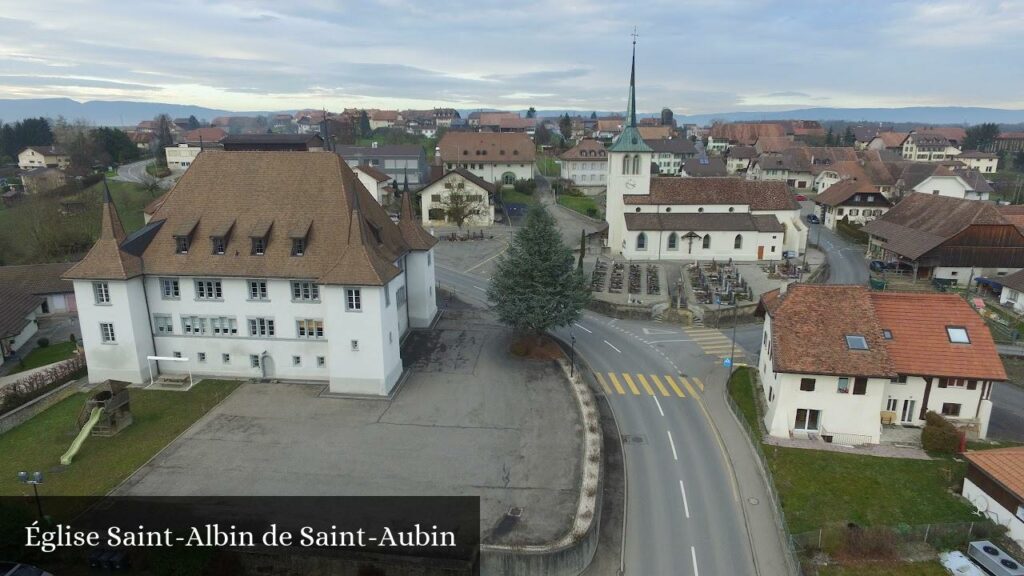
[670, 218]
[839, 362]
[268, 265]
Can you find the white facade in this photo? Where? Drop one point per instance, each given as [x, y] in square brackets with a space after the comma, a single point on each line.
[984, 165]
[668, 162]
[1012, 298]
[379, 190]
[993, 510]
[628, 173]
[30, 158]
[952, 186]
[588, 173]
[11, 344]
[434, 197]
[858, 215]
[180, 157]
[504, 172]
[734, 165]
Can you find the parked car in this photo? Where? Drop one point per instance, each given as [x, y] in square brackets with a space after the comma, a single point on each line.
[880, 266]
[801, 198]
[813, 219]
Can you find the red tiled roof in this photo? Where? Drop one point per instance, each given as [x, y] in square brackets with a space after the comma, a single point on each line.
[207, 135]
[746, 133]
[1004, 465]
[477, 147]
[760, 195]
[892, 139]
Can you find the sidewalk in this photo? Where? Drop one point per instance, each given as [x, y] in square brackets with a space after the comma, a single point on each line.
[764, 527]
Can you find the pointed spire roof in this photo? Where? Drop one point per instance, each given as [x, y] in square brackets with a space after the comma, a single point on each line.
[630, 140]
[360, 264]
[414, 235]
[106, 260]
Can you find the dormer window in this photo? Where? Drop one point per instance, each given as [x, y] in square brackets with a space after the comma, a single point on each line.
[218, 244]
[958, 335]
[260, 236]
[181, 244]
[219, 236]
[183, 236]
[299, 235]
[298, 246]
[259, 246]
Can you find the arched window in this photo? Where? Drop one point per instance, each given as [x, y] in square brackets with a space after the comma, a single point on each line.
[625, 164]
[636, 164]
[738, 243]
[707, 241]
[641, 241]
[673, 241]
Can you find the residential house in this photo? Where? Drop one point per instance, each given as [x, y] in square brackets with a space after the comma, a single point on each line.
[947, 238]
[271, 265]
[376, 182]
[669, 155]
[586, 164]
[707, 167]
[142, 140]
[384, 119]
[892, 141]
[798, 166]
[805, 129]
[955, 135]
[864, 165]
[994, 484]
[309, 142]
[956, 183]
[658, 132]
[43, 280]
[608, 127]
[737, 159]
[43, 179]
[864, 134]
[477, 199]
[1012, 294]
[853, 200]
[402, 162]
[726, 135]
[984, 162]
[881, 358]
[18, 312]
[43, 157]
[1009, 142]
[181, 156]
[443, 117]
[927, 147]
[504, 157]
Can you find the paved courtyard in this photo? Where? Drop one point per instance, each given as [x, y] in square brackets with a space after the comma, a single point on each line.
[470, 420]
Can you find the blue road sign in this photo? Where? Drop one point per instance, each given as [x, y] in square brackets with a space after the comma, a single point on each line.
[727, 362]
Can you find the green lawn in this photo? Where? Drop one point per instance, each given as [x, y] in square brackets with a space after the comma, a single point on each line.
[157, 171]
[130, 198]
[900, 569]
[547, 166]
[583, 204]
[741, 388]
[510, 196]
[49, 355]
[102, 463]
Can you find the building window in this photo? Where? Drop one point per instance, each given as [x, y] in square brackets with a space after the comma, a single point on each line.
[193, 325]
[163, 324]
[202, 356]
[309, 328]
[225, 358]
[169, 289]
[176, 354]
[353, 300]
[305, 291]
[958, 335]
[321, 361]
[259, 246]
[298, 246]
[101, 290]
[296, 360]
[860, 386]
[887, 334]
[807, 419]
[224, 326]
[950, 409]
[208, 290]
[673, 241]
[181, 244]
[254, 360]
[641, 241]
[258, 290]
[738, 242]
[107, 333]
[844, 386]
[856, 342]
[355, 345]
[387, 296]
[807, 384]
[261, 327]
[218, 245]
[900, 379]
[706, 243]
[625, 164]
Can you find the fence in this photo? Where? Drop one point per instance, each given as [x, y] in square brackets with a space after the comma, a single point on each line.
[940, 536]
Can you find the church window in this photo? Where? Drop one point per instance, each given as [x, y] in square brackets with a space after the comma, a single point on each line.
[707, 241]
[641, 241]
[738, 243]
[673, 241]
[625, 164]
[636, 164]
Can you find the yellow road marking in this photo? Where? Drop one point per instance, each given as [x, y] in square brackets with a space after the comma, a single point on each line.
[632, 387]
[615, 382]
[672, 383]
[661, 387]
[604, 384]
[643, 382]
[699, 383]
[688, 387]
[710, 338]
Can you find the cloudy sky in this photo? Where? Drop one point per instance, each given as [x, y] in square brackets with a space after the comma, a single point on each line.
[693, 56]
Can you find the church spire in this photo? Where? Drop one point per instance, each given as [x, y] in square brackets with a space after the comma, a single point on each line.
[630, 140]
[631, 106]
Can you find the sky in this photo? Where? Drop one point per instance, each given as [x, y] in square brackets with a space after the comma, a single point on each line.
[694, 57]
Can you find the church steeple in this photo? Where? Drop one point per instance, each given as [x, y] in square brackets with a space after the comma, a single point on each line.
[631, 105]
[630, 139]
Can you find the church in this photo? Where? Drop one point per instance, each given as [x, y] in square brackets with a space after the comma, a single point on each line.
[672, 218]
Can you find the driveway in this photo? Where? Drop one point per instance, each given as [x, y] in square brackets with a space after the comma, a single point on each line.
[1007, 420]
[136, 172]
[846, 261]
[470, 420]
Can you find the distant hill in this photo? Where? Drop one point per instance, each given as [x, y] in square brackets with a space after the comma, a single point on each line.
[104, 113]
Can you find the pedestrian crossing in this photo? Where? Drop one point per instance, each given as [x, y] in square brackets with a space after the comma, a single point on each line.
[714, 342]
[626, 384]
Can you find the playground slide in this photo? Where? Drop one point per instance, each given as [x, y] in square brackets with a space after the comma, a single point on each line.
[94, 417]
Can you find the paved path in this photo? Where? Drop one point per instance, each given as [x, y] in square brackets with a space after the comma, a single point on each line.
[846, 261]
[1007, 421]
[136, 172]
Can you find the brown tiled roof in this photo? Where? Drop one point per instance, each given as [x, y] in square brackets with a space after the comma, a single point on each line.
[655, 132]
[516, 123]
[1014, 281]
[746, 133]
[106, 260]
[742, 152]
[674, 145]
[1004, 465]
[776, 144]
[892, 139]
[841, 191]
[494, 118]
[613, 124]
[978, 154]
[951, 133]
[920, 222]
[920, 345]
[373, 173]
[760, 195]
[1011, 136]
[37, 278]
[476, 147]
[928, 139]
[414, 235]
[594, 148]
[703, 222]
[15, 306]
[384, 116]
[488, 186]
[208, 135]
[710, 166]
[47, 150]
[803, 343]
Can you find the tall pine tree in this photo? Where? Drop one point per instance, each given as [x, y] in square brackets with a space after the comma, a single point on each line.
[536, 285]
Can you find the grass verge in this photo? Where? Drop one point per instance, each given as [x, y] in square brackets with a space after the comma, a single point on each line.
[43, 356]
[102, 463]
[894, 569]
[510, 196]
[583, 204]
[742, 391]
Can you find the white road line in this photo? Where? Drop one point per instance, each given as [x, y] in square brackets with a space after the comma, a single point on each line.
[578, 325]
[613, 346]
[673, 444]
[686, 508]
[659, 405]
[666, 341]
[693, 555]
[480, 289]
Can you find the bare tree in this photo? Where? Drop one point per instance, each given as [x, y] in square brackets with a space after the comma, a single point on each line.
[459, 206]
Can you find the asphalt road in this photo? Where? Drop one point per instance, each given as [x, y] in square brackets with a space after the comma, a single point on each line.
[684, 514]
[846, 261]
[134, 172]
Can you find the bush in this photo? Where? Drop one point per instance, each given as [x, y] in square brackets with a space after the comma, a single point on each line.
[43, 342]
[525, 186]
[71, 338]
[35, 385]
[593, 212]
[939, 435]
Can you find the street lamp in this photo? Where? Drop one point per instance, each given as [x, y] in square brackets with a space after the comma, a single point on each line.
[34, 479]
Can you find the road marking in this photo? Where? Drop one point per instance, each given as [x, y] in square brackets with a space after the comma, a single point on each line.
[577, 324]
[693, 555]
[604, 384]
[615, 382]
[480, 289]
[699, 383]
[661, 387]
[632, 387]
[657, 331]
[613, 346]
[686, 506]
[667, 341]
[673, 445]
[672, 383]
[688, 387]
[643, 382]
[659, 406]
[471, 268]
